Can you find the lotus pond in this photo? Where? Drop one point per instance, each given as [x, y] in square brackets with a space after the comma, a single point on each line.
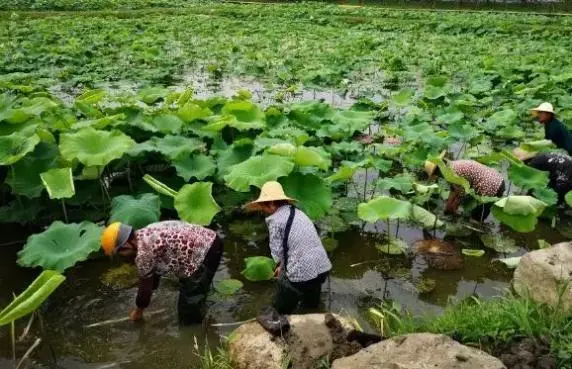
[141, 115]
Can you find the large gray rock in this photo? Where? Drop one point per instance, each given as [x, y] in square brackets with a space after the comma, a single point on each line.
[542, 274]
[419, 351]
[309, 341]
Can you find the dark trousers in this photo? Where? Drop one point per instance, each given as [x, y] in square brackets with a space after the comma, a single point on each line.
[481, 212]
[194, 290]
[291, 294]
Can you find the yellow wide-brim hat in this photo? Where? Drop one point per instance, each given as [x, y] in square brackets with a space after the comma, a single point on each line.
[430, 167]
[271, 191]
[544, 107]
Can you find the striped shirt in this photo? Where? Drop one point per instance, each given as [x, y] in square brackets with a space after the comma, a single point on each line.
[172, 248]
[484, 180]
[307, 257]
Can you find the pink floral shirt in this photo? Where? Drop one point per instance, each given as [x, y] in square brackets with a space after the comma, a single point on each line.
[484, 180]
[173, 248]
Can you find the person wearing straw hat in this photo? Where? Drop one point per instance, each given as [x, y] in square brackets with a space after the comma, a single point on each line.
[483, 180]
[303, 264]
[178, 249]
[558, 166]
[554, 130]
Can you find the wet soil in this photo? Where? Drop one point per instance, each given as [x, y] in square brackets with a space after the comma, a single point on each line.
[526, 353]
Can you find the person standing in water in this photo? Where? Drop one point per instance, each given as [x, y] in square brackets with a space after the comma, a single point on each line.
[554, 130]
[186, 251]
[295, 245]
[483, 180]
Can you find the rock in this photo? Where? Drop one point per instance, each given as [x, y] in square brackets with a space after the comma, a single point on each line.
[305, 345]
[419, 351]
[542, 273]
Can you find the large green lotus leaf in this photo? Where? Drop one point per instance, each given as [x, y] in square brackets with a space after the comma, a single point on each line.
[528, 178]
[232, 156]
[312, 157]
[173, 147]
[191, 112]
[403, 98]
[539, 145]
[60, 246]
[344, 173]
[499, 243]
[546, 195]
[434, 92]
[59, 183]
[383, 208]
[312, 193]
[138, 211]
[15, 146]
[240, 114]
[33, 296]
[100, 123]
[310, 114]
[344, 147]
[24, 177]
[198, 166]
[345, 123]
[568, 198]
[259, 268]
[91, 97]
[167, 123]
[521, 205]
[21, 212]
[282, 149]
[92, 147]
[520, 223]
[424, 217]
[195, 203]
[256, 171]
[511, 262]
[401, 182]
[393, 246]
[501, 118]
[33, 108]
[228, 287]
[461, 131]
[152, 94]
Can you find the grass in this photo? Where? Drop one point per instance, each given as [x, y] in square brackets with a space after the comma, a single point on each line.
[486, 324]
[209, 359]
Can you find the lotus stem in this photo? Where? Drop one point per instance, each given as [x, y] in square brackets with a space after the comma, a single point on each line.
[29, 352]
[13, 340]
[397, 230]
[365, 185]
[65, 211]
[129, 183]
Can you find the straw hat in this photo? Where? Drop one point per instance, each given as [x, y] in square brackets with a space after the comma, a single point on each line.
[430, 167]
[271, 191]
[544, 107]
[114, 237]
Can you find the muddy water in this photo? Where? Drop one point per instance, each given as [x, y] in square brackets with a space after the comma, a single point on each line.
[83, 299]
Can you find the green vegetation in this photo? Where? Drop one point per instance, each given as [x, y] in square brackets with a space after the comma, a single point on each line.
[488, 325]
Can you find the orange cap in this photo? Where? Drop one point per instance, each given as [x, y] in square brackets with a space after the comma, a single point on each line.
[114, 236]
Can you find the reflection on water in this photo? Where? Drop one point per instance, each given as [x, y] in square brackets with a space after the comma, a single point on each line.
[361, 277]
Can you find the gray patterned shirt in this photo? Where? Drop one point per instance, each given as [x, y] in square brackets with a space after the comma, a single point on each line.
[307, 257]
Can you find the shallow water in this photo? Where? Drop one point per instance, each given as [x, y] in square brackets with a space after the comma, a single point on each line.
[83, 299]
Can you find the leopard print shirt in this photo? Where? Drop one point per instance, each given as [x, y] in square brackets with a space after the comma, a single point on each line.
[173, 248]
[484, 180]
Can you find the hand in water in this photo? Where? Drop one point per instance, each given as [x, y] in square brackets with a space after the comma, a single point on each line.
[136, 314]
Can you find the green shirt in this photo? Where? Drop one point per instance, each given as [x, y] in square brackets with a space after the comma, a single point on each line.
[558, 133]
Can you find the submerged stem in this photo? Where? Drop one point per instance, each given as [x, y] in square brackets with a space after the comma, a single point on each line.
[65, 211]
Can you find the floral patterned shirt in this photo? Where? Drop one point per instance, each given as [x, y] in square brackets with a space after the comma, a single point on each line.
[172, 248]
[484, 180]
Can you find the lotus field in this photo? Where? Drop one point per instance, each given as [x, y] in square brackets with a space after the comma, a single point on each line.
[148, 114]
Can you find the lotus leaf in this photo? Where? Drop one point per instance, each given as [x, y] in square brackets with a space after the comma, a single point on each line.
[393, 246]
[34, 108]
[20, 212]
[242, 115]
[425, 217]
[138, 211]
[330, 244]
[167, 123]
[472, 252]
[152, 94]
[198, 166]
[100, 123]
[61, 246]
[173, 147]
[310, 114]
[527, 177]
[15, 146]
[259, 268]
[451, 176]
[383, 208]
[542, 244]
[256, 171]
[162, 188]
[191, 112]
[521, 205]
[195, 203]
[91, 97]
[534, 146]
[311, 192]
[228, 287]
[58, 183]
[501, 118]
[403, 98]
[499, 243]
[401, 182]
[511, 262]
[312, 156]
[434, 92]
[282, 149]
[568, 198]
[546, 195]
[343, 173]
[232, 156]
[33, 296]
[24, 178]
[94, 148]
